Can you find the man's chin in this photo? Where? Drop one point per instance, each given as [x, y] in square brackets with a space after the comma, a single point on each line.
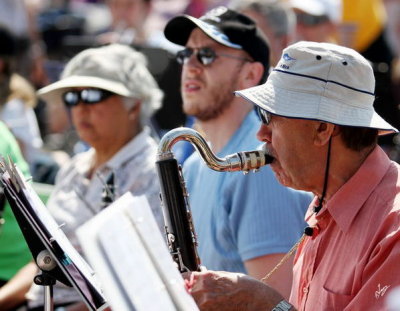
[190, 109]
[274, 166]
[278, 173]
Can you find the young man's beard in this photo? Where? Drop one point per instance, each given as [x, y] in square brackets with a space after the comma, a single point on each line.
[221, 97]
[221, 102]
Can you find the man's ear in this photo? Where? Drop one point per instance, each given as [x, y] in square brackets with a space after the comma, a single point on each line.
[134, 111]
[323, 132]
[252, 75]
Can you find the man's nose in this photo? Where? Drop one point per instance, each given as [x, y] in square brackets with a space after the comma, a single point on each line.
[264, 133]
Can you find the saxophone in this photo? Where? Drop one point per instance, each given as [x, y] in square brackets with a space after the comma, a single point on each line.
[179, 229]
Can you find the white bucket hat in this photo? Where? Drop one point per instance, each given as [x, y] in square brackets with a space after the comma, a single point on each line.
[321, 81]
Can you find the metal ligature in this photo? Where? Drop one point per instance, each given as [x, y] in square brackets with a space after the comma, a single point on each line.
[179, 228]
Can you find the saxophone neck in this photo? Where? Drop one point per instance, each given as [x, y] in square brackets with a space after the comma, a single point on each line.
[241, 161]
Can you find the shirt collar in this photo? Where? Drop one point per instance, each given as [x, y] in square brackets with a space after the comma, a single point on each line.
[348, 200]
[84, 161]
[131, 149]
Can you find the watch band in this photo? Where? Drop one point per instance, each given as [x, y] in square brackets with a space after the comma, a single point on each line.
[282, 306]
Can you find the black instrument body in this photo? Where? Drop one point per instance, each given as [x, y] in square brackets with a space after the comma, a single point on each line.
[179, 228]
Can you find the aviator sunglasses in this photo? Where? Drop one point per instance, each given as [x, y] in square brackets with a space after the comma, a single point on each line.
[87, 96]
[263, 115]
[205, 56]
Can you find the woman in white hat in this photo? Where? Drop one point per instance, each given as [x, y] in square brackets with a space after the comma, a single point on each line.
[110, 96]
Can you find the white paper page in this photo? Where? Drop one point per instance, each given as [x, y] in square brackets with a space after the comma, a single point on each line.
[127, 251]
[158, 251]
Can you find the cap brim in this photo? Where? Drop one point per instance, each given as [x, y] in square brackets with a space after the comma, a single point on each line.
[179, 29]
[292, 104]
[53, 92]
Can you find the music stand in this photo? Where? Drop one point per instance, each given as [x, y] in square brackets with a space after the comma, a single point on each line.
[55, 256]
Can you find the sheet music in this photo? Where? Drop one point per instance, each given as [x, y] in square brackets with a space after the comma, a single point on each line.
[127, 250]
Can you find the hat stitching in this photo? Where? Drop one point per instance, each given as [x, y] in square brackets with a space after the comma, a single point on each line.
[326, 81]
[315, 118]
[342, 101]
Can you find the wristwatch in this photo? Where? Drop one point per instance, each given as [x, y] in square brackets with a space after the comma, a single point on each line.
[282, 306]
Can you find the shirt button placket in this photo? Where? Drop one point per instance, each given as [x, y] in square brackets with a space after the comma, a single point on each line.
[304, 295]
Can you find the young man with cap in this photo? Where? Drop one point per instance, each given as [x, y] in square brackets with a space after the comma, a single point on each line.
[320, 126]
[242, 225]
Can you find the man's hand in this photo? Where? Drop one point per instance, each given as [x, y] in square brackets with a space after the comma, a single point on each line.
[218, 290]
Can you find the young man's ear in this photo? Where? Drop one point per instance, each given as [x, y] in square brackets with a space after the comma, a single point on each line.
[323, 132]
[253, 74]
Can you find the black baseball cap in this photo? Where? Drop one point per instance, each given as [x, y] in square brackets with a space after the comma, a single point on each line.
[227, 27]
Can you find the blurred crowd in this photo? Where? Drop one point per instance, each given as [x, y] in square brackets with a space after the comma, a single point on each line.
[44, 35]
[39, 37]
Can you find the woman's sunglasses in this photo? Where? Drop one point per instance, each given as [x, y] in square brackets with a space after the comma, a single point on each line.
[205, 56]
[87, 96]
[263, 115]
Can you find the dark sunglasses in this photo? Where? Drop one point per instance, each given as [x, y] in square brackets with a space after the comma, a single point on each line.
[263, 115]
[87, 96]
[205, 56]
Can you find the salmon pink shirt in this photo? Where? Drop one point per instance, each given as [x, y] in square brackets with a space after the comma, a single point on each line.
[352, 260]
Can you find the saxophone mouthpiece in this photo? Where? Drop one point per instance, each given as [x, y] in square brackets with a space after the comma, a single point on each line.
[253, 160]
[268, 158]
